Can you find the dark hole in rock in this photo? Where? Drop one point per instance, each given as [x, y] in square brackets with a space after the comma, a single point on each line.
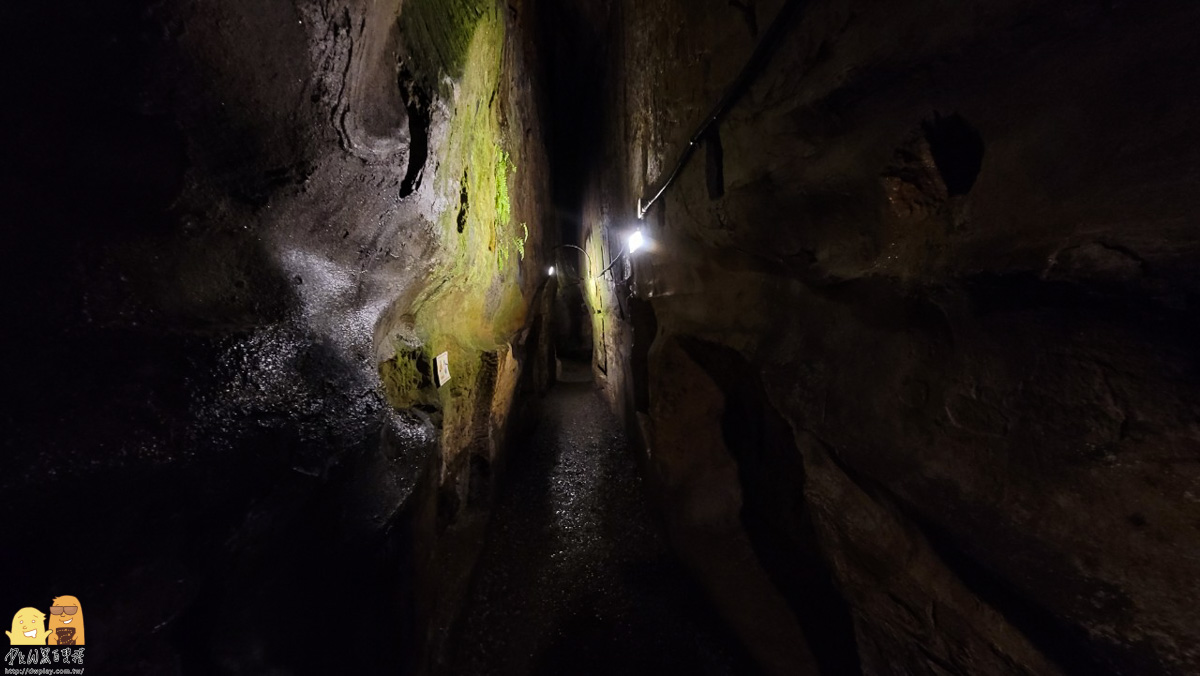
[417, 102]
[424, 368]
[464, 203]
[957, 150]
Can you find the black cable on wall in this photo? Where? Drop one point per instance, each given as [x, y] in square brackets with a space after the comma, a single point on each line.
[762, 53]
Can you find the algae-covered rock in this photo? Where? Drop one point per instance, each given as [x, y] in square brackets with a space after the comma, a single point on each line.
[407, 379]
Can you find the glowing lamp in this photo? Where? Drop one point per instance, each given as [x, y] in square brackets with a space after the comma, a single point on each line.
[551, 270]
[635, 241]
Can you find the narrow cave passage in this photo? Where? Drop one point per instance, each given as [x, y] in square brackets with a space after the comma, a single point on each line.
[903, 378]
[576, 576]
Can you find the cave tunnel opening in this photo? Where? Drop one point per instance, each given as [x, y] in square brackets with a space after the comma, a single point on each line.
[242, 235]
[575, 323]
[573, 39]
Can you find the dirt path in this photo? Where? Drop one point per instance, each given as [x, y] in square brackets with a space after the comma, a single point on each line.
[576, 577]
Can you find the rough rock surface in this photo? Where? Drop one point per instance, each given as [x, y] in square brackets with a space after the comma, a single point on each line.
[912, 346]
[950, 252]
[223, 217]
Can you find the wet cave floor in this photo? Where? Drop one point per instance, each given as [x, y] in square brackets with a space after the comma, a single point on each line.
[576, 576]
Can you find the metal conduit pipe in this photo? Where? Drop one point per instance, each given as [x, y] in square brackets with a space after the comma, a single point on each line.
[734, 92]
[589, 257]
[585, 253]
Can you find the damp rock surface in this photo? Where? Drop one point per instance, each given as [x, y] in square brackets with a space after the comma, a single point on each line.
[576, 575]
[950, 251]
[230, 217]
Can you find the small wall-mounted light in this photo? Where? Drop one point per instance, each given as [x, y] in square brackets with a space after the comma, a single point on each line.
[636, 241]
[550, 271]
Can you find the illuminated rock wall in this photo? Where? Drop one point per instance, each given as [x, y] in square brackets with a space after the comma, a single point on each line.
[241, 233]
[913, 354]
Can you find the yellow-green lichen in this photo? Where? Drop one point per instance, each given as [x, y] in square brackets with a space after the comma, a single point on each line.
[439, 35]
[407, 379]
[473, 303]
[477, 300]
[504, 166]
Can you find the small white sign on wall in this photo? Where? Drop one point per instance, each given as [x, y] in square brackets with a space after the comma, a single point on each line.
[443, 368]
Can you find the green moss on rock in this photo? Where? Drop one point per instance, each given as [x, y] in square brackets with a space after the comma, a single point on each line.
[438, 35]
[408, 380]
[473, 304]
[477, 300]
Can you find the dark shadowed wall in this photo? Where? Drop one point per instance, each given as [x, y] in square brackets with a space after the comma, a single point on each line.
[914, 346]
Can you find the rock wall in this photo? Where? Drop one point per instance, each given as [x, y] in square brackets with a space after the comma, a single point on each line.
[912, 349]
[238, 234]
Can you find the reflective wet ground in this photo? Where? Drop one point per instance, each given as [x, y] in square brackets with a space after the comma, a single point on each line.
[576, 576]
